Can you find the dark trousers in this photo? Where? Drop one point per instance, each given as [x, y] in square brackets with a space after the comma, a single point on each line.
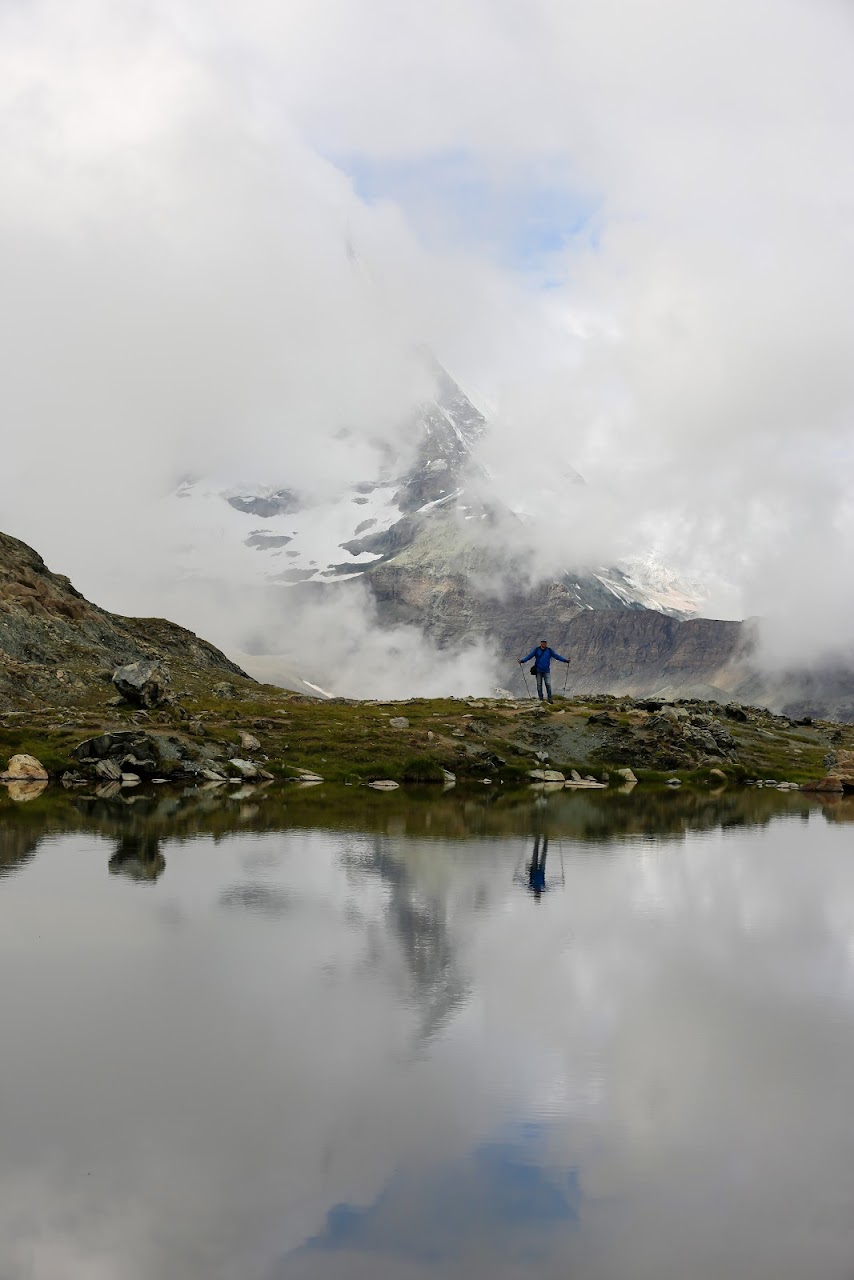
[537, 868]
[544, 678]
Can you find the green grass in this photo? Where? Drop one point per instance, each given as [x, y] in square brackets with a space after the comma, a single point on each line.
[355, 741]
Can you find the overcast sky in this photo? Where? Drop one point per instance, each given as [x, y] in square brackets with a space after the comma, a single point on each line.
[627, 226]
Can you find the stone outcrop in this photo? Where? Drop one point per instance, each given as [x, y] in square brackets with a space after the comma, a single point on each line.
[56, 647]
[142, 684]
[111, 755]
[844, 769]
[829, 784]
[840, 775]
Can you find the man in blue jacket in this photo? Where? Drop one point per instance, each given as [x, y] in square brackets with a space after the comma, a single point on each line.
[542, 656]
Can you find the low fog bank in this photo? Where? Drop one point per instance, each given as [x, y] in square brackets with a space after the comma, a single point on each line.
[331, 640]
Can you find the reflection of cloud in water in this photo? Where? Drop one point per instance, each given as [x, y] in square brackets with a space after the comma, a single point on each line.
[259, 899]
[503, 1197]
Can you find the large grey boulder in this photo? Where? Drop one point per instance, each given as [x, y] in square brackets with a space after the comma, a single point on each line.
[225, 689]
[141, 683]
[148, 754]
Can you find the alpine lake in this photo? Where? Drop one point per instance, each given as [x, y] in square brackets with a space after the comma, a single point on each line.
[321, 1032]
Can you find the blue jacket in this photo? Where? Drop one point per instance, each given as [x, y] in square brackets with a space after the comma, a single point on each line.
[544, 658]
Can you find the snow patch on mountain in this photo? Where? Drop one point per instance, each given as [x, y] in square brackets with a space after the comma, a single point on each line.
[272, 535]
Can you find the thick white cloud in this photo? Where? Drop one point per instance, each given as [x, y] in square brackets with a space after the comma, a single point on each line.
[178, 298]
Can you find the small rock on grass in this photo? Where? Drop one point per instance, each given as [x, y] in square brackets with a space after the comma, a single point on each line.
[626, 774]
[249, 742]
[399, 722]
[225, 689]
[108, 771]
[249, 770]
[24, 768]
[245, 768]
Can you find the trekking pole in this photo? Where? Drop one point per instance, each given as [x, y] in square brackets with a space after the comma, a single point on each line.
[525, 678]
[566, 677]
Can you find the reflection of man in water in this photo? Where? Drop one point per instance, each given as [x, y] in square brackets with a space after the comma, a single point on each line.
[534, 875]
[537, 866]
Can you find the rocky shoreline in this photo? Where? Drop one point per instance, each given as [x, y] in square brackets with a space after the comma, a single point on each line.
[240, 732]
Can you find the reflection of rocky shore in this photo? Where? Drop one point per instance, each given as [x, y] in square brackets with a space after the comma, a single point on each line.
[838, 808]
[18, 843]
[22, 790]
[138, 822]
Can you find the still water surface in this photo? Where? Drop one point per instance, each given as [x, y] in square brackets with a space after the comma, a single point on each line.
[334, 1034]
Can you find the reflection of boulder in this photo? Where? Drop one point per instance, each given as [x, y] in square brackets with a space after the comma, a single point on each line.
[25, 790]
[139, 857]
[838, 808]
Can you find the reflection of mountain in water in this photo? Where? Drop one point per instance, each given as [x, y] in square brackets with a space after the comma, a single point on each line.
[138, 856]
[18, 844]
[419, 922]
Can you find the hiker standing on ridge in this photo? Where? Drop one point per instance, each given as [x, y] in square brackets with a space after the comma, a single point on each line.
[542, 656]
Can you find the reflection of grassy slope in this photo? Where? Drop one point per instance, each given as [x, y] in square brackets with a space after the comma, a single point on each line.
[355, 741]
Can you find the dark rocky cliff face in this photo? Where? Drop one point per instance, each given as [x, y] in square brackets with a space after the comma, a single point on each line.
[614, 648]
[54, 642]
[643, 652]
